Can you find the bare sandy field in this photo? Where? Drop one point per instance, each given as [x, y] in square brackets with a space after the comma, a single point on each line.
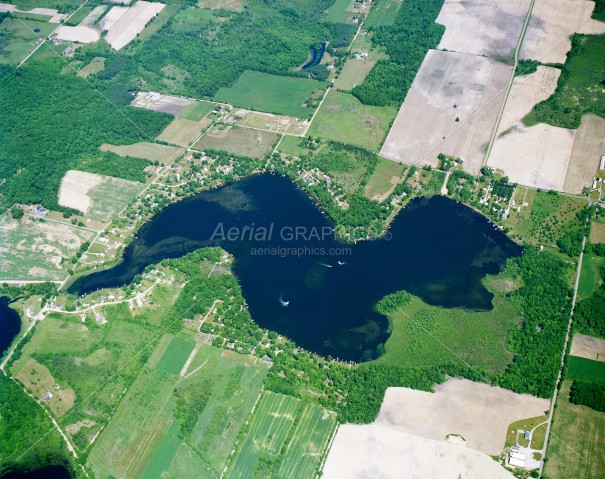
[588, 347]
[536, 156]
[588, 147]
[525, 93]
[78, 34]
[550, 26]
[182, 132]
[93, 16]
[8, 7]
[166, 103]
[597, 233]
[132, 23]
[375, 451]
[483, 27]
[112, 17]
[449, 86]
[150, 151]
[74, 189]
[478, 412]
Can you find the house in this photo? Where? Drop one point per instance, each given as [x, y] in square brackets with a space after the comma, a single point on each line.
[515, 462]
[526, 435]
[153, 96]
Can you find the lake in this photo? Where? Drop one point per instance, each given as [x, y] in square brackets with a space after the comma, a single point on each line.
[10, 324]
[48, 472]
[301, 281]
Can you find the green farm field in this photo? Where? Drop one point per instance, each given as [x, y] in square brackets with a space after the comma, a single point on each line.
[176, 355]
[586, 369]
[239, 141]
[353, 73]
[590, 277]
[383, 13]
[110, 196]
[196, 111]
[137, 427]
[420, 332]
[271, 93]
[266, 451]
[225, 387]
[18, 38]
[382, 180]
[343, 118]
[575, 446]
[340, 12]
[183, 132]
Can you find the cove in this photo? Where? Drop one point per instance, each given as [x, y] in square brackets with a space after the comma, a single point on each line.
[323, 299]
[10, 324]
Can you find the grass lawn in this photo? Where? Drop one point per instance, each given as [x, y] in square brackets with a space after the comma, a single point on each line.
[579, 90]
[575, 447]
[353, 73]
[585, 369]
[196, 111]
[537, 437]
[590, 277]
[340, 11]
[290, 146]
[176, 355]
[343, 118]
[110, 196]
[271, 93]
[546, 218]
[479, 338]
[239, 141]
[18, 38]
[382, 180]
[383, 13]
[516, 429]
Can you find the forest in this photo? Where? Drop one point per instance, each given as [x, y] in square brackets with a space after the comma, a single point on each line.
[23, 423]
[53, 122]
[587, 393]
[206, 50]
[407, 41]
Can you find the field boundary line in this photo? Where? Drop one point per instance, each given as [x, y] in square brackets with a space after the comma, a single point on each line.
[510, 84]
[461, 124]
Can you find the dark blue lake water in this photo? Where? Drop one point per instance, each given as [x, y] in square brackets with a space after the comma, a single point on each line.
[323, 299]
[49, 472]
[10, 324]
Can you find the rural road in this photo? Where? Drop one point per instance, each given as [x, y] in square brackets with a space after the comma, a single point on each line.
[565, 346]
